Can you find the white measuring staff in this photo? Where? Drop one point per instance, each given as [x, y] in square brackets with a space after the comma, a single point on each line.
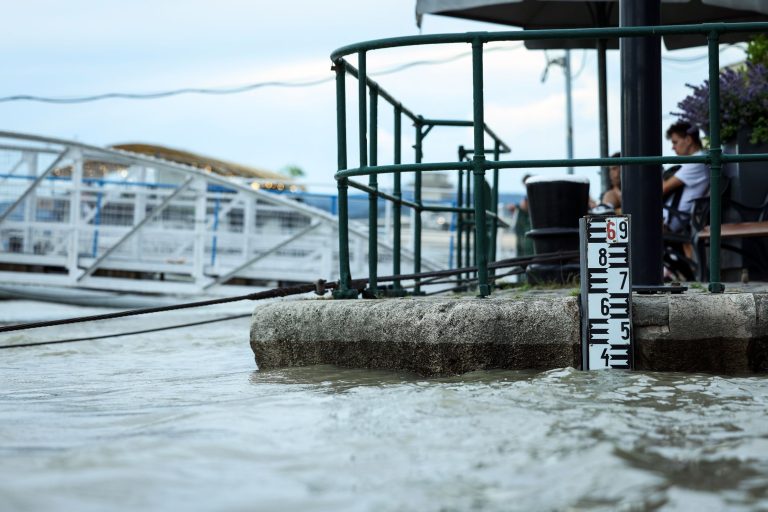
[606, 292]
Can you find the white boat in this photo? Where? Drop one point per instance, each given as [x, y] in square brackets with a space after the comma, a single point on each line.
[117, 227]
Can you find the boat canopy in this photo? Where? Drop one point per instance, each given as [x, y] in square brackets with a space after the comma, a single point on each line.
[206, 163]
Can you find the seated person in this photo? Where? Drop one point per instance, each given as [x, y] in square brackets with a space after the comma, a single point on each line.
[691, 181]
[612, 196]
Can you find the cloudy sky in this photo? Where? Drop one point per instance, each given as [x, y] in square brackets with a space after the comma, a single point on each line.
[88, 47]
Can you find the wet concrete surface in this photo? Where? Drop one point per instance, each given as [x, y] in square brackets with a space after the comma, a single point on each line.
[516, 328]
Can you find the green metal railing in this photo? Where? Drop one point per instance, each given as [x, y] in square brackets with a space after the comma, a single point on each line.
[479, 164]
[369, 94]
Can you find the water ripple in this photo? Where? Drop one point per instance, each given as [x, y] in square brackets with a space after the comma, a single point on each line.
[184, 420]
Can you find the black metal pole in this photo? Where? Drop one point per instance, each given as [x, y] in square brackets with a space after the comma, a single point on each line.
[601, 18]
[602, 102]
[641, 136]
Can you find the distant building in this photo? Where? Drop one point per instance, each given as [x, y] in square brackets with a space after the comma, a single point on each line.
[436, 186]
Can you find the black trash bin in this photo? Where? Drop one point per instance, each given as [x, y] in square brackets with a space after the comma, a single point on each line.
[556, 204]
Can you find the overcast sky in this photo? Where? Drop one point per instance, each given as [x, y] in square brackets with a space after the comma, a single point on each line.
[82, 47]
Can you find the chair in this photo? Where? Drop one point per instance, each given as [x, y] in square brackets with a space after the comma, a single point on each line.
[737, 251]
[676, 259]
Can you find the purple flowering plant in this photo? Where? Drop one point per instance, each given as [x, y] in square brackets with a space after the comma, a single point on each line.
[743, 98]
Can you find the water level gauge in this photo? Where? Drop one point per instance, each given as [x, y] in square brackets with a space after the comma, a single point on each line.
[606, 292]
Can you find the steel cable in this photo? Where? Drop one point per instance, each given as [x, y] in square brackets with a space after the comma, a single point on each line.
[234, 89]
[278, 292]
[130, 333]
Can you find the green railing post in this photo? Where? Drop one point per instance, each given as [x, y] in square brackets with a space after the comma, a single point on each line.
[465, 225]
[478, 163]
[397, 207]
[362, 130]
[345, 276]
[417, 213]
[459, 218]
[373, 199]
[495, 204]
[715, 153]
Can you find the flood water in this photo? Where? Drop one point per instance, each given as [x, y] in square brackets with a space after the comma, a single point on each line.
[181, 420]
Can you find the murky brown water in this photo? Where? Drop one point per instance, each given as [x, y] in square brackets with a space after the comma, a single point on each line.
[179, 420]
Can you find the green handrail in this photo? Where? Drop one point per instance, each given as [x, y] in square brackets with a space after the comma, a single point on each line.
[478, 164]
[703, 29]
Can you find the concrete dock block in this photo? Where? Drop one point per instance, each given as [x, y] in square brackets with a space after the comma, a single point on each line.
[761, 309]
[428, 336]
[702, 332]
[723, 333]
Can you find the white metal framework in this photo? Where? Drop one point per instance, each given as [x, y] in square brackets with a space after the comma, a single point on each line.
[90, 218]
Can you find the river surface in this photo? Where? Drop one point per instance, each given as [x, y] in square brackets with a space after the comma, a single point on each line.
[182, 420]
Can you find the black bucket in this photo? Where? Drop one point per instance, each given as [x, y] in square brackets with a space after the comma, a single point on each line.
[556, 204]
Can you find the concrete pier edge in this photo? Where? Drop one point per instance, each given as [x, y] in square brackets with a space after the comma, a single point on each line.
[723, 333]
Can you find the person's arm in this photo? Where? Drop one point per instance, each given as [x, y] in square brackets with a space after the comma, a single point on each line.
[670, 185]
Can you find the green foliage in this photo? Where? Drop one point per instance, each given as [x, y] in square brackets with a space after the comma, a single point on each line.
[743, 99]
[757, 50]
[757, 55]
[759, 131]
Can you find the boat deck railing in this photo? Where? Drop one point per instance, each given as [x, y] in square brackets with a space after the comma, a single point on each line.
[79, 216]
[480, 163]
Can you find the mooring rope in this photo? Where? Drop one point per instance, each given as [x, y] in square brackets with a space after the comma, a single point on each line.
[268, 294]
[119, 334]
[318, 287]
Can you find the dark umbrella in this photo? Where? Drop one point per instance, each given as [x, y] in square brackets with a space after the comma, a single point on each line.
[547, 14]
[550, 14]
